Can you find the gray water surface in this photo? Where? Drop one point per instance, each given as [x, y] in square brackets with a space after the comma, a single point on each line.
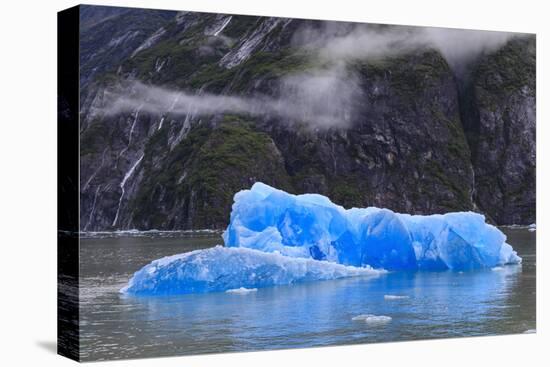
[437, 305]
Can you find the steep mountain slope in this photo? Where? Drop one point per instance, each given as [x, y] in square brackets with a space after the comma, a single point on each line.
[109, 35]
[501, 127]
[401, 145]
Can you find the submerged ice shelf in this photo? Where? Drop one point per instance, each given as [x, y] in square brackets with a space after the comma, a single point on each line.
[220, 269]
[276, 238]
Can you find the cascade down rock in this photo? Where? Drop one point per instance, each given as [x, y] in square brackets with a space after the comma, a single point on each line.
[311, 226]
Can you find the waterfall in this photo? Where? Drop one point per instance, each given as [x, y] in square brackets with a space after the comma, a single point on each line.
[169, 109]
[159, 64]
[216, 27]
[160, 123]
[240, 53]
[224, 24]
[123, 183]
[183, 131]
[149, 41]
[92, 176]
[133, 127]
[136, 115]
[93, 207]
[174, 102]
[473, 190]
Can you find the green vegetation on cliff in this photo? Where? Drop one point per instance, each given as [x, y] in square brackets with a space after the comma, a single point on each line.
[205, 170]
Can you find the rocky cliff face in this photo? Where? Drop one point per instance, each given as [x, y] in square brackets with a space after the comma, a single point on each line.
[500, 119]
[420, 139]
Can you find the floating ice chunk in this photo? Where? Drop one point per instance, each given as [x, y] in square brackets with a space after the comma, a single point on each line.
[372, 319]
[378, 319]
[497, 268]
[242, 290]
[530, 331]
[220, 269]
[311, 226]
[390, 297]
[360, 317]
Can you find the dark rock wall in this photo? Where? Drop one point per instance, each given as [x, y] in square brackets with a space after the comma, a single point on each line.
[501, 130]
[421, 139]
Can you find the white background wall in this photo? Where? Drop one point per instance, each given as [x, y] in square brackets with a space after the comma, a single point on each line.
[28, 182]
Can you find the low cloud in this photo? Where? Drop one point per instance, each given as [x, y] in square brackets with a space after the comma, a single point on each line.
[319, 100]
[336, 41]
[324, 97]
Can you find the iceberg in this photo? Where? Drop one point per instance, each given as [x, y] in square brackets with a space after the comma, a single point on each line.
[241, 290]
[372, 319]
[390, 297]
[276, 238]
[311, 226]
[236, 270]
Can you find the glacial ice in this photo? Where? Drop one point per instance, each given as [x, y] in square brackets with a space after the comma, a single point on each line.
[391, 297]
[311, 226]
[276, 238]
[372, 319]
[241, 290]
[220, 269]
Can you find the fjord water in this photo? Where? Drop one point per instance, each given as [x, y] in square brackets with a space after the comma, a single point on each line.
[435, 304]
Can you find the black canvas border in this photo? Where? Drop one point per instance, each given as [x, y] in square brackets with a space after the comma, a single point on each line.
[68, 187]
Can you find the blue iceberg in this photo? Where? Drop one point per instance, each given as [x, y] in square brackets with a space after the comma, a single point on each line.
[220, 269]
[276, 238]
[311, 226]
